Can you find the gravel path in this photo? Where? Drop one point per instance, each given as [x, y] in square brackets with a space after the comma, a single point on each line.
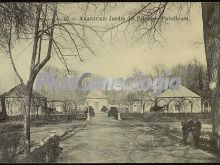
[106, 140]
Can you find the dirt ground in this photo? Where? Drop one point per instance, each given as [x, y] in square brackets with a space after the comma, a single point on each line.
[106, 140]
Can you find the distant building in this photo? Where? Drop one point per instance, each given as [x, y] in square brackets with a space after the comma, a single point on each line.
[97, 99]
[13, 102]
[181, 100]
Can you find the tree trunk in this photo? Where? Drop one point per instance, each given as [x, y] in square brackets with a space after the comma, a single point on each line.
[143, 107]
[34, 71]
[211, 32]
[27, 121]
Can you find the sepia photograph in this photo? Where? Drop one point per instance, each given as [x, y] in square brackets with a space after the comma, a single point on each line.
[109, 82]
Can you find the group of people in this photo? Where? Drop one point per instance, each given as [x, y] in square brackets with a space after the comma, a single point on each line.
[194, 127]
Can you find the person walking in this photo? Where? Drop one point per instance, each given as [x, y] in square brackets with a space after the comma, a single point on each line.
[186, 130]
[190, 125]
[196, 131]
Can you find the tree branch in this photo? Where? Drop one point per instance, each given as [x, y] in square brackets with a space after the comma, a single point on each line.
[128, 20]
[62, 56]
[48, 56]
[83, 40]
[40, 43]
[10, 55]
[36, 38]
[73, 42]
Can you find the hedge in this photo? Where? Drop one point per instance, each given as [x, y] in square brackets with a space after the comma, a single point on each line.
[167, 117]
[188, 115]
[12, 146]
[53, 118]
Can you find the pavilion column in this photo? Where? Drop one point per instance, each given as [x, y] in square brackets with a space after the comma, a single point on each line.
[191, 107]
[203, 107]
[119, 116]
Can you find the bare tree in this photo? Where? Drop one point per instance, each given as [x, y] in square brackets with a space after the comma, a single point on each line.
[159, 70]
[42, 23]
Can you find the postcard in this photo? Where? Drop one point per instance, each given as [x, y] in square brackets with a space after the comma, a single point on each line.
[109, 82]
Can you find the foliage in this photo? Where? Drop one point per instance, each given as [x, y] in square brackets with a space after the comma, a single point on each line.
[194, 76]
[132, 96]
[137, 116]
[117, 97]
[156, 109]
[159, 70]
[10, 127]
[133, 116]
[46, 153]
[12, 142]
[215, 143]
[20, 15]
[52, 118]
[58, 85]
[113, 112]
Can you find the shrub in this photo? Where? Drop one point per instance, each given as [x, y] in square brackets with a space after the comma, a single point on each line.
[163, 117]
[205, 140]
[15, 118]
[137, 116]
[126, 116]
[52, 118]
[12, 142]
[188, 115]
[215, 143]
[132, 116]
[46, 153]
[113, 112]
[10, 127]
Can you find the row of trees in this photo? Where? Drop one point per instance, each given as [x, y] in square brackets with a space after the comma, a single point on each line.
[71, 97]
[193, 74]
[195, 77]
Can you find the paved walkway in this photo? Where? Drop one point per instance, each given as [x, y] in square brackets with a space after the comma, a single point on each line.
[106, 140]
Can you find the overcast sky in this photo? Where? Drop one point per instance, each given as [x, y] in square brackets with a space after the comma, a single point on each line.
[119, 57]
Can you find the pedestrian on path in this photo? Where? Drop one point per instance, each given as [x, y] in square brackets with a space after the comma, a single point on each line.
[196, 131]
[190, 123]
[186, 130]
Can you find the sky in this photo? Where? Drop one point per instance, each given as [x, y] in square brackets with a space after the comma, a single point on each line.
[120, 56]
